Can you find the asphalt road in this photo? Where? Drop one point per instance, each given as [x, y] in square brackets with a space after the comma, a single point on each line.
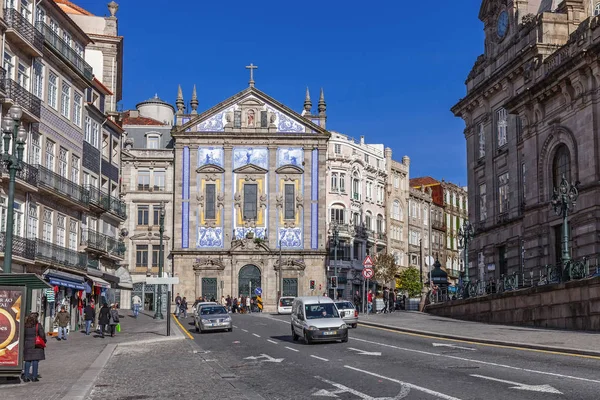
[259, 355]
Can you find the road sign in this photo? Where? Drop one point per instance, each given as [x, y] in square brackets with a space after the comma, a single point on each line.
[429, 261]
[368, 262]
[258, 291]
[367, 273]
[162, 281]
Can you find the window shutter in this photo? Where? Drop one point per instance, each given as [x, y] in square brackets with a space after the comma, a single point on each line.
[263, 119]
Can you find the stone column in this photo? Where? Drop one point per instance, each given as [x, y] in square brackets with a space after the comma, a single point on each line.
[228, 192]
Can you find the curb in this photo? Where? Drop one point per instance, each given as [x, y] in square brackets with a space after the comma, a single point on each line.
[527, 346]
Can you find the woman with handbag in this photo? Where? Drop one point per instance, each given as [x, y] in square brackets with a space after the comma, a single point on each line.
[113, 319]
[33, 347]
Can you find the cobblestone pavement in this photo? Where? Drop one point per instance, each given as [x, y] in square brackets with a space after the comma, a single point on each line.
[66, 361]
[167, 370]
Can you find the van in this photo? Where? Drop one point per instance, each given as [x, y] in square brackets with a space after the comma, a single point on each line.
[316, 319]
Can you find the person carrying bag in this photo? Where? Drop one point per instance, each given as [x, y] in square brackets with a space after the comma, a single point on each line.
[113, 319]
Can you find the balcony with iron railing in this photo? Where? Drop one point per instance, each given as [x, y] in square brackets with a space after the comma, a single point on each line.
[17, 94]
[104, 244]
[21, 247]
[70, 192]
[22, 32]
[55, 254]
[28, 174]
[65, 51]
[107, 202]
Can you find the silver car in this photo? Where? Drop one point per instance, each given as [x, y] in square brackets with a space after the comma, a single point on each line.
[212, 317]
[348, 313]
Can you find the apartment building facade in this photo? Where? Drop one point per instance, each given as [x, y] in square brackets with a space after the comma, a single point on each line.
[396, 206]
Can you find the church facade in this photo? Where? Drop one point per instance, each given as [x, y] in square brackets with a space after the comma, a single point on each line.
[247, 198]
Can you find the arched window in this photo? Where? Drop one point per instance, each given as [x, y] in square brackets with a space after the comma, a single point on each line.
[561, 165]
[597, 9]
[338, 214]
[380, 227]
[396, 210]
[368, 220]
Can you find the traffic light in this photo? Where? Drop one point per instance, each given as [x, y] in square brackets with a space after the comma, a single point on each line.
[312, 284]
[334, 282]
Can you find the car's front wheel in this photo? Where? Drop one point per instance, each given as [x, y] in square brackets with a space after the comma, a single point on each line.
[230, 330]
[354, 326]
[294, 336]
[307, 338]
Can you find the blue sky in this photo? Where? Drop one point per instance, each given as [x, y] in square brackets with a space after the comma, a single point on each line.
[390, 71]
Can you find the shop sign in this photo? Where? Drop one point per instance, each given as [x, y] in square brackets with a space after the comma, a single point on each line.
[12, 331]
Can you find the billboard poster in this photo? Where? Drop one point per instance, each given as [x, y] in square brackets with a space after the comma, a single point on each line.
[11, 328]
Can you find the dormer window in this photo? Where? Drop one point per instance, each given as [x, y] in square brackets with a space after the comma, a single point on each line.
[152, 141]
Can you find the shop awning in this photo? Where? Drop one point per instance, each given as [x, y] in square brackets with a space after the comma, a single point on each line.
[99, 282]
[114, 280]
[64, 279]
[126, 281]
[32, 281]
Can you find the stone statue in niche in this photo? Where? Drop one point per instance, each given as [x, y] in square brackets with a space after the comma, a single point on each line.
[250, 116]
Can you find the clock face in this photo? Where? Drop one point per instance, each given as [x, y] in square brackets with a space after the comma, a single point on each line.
[502, 24]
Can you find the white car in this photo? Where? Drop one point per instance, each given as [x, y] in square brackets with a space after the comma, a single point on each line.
[285, 305]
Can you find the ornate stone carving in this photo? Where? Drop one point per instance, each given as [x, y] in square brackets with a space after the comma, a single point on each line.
[279, 201]
[290, 264]
[263, 200]
[221, 200]
[246, 244]
[208, 263]
[299, 201]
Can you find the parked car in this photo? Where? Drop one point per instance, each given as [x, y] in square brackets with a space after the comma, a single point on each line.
[316, 318]
[285, 305]
[198, 303]
[348, 313]
[211, 317]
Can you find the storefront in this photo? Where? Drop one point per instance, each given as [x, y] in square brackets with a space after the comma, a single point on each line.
[68, 290]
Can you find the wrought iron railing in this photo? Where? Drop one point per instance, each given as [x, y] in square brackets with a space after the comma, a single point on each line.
[28, 173]
[16, 21]
[21, 247]
[101, 242]
[21, 96]
[65, 50]
[539, 276]
[53, 253]
[63, 186]
[107, 202]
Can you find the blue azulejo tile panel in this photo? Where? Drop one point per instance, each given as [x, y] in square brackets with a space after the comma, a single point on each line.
[185, 194]
[240, 233]
[290, 156]
[185, 225]
[210, 155]
[314, 226]
[314, 206]
[290, 238]
[210, 237]
[186, 173]
[249, 155]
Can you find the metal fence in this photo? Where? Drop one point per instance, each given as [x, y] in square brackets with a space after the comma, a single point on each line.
[538, 276]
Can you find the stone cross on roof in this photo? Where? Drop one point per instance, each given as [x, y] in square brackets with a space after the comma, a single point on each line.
[251, 67]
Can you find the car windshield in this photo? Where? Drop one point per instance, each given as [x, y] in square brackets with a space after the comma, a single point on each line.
[212, 310]
[317, 311]
[286, 302]
[344, 305]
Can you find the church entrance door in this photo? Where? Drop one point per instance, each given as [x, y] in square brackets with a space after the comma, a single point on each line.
[248, 279]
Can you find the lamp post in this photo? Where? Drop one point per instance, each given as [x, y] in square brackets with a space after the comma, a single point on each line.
[465, 235]
[161, 230]
[336, 240]
[14, 139]
[563, 201]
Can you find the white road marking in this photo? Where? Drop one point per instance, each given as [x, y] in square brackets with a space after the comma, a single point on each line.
[256, 335]
[244, 330]
[522, 386]
[408, 385]
[365, 353]
[319, 358]
[267, 358]
[291, 348]
[280, 320]
[235, 327]
[272, 341]
[577, 378]
[452, 346]
[404, 391]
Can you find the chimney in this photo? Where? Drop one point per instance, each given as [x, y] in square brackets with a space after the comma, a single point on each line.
[362, 139]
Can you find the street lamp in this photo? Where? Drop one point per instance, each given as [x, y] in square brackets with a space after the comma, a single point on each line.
[13, 130]
[161, 230]
[465, 235]
[563, 201]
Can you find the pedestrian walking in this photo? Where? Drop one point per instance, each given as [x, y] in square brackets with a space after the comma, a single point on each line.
[33, 352]
[137, 303]
[249, 303]
[357, 301]
[223, 301]
[228, 303]
[113, 319]
[183, 306]
[104, 318]
[88, 316]
[177, 305]
[369, 301]
[386, 296]
[392, 300]
[62, 319]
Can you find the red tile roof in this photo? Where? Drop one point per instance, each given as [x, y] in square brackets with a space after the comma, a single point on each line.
[423, 181]
[71, 8]
[139, 120]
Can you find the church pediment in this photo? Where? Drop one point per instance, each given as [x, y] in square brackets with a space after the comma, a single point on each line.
[246, 244]
[289, 169]
[210, 169]
[247, 110]
[208, 264]
[250, 169]
[149, 236]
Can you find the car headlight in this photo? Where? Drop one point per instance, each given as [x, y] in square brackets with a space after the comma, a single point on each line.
[343, 326]
[312, 328]
[227, 319]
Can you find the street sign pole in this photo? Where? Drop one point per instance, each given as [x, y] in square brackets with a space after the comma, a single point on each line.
[367, 294]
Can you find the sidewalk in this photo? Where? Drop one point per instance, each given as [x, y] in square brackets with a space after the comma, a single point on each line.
[585, 343]
[71, 366]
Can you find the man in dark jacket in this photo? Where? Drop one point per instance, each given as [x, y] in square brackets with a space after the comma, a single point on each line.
[392, 300]
[103, 318]
[357, 301]
[62, 319]
[88, 315]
